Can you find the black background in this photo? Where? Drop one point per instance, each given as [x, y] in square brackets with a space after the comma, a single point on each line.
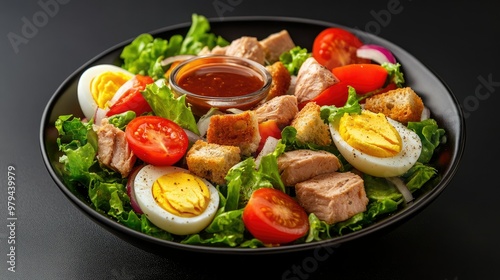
[455, 238]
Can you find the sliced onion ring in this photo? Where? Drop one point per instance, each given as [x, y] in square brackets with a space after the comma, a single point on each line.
[376, 53]
[193, 137]
[401, 186]
[130, 189]
[269, 147]
[172, 59]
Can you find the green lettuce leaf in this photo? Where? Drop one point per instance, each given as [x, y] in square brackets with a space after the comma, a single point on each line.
[331, 114]
[121, 120]
[227, 229]
[145, 53]
[395, 75]
[243, 179]
[418, 176]
[430, 135]
[318, 230]
[199, 36]
[294, 58]
[142, 55]
[166, 105]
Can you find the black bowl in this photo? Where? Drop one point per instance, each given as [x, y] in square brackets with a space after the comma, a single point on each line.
[436, 95]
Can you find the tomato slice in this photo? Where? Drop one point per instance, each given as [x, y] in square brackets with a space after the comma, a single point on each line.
[335, 47]
[274, 217]
[132, 99]
[362, 77]
[266, 129]
[156, 140]
[336, 94]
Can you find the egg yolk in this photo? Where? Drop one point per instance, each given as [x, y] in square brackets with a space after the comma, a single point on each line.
[181, 194]
[370, 133]
[104, 86]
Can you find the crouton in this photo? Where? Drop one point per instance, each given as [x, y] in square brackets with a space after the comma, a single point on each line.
[241, 130]
[402, 105]
[281, 80]
[310, 127]
[212, 161]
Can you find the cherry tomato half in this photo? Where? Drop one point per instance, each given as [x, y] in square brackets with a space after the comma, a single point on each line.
[274, 217]
[335, 47]
[156, 140]
[132, 99]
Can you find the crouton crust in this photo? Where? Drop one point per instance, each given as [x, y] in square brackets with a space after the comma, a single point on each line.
[212, 161]
[310, 127]
[241, 130]
[281, 80]
[402, 105]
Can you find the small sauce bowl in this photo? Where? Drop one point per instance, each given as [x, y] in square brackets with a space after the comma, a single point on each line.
[220, 81]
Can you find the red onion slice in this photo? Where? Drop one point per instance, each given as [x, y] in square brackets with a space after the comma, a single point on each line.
[376, 53]
[131, 192]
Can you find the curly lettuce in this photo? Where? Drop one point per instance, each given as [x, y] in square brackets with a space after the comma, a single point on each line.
[145, 53]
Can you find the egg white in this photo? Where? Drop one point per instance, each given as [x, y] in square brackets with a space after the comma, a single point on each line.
[85, 99]
[163, 219]
[378, 166]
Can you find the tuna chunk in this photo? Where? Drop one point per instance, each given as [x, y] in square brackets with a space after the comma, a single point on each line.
[333, 197]
[282, 109]
[301, 165]
[113, 150]
[246, 47]
[312, 79]
[276, 44]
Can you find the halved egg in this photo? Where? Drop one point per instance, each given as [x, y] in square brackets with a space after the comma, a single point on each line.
[97, 86]
[175, 199]
[375, 144]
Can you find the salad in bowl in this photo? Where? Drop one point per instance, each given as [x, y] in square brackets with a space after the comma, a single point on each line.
[339, 143]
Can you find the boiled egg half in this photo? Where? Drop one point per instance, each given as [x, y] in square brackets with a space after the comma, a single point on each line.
[174, 199]
[97, 86]
[375, 144]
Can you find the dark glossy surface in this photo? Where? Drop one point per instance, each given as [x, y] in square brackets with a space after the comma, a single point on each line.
[455, 237]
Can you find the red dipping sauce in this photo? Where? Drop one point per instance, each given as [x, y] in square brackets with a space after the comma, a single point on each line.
[220, 80]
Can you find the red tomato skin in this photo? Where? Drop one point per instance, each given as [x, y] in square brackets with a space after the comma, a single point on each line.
[150, 138]
[132, 100]
[264, 211]
[266, 129]
[336, 94]
[362, 77]
[335, 47]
